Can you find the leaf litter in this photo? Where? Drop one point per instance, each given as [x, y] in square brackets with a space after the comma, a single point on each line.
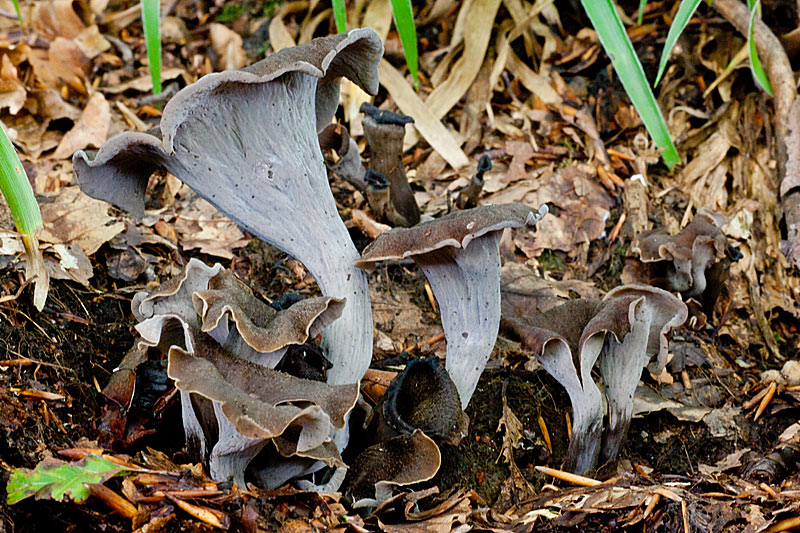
[542, 101]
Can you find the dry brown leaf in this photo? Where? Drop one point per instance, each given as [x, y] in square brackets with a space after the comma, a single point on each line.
[520, 152]
[73, 217]
[480, 20]
[50, 105]
[144, 84]
[12, 91]
[792, 178]
[583, 208]
[29, 133]
[228, 45]
[431, 129]
[57, 18]
[536, 83]
[90, 130]
[199, 225]
[63, 62]
[91, 43]
[279, 36]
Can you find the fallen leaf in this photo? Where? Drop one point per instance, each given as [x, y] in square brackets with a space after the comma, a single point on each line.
[90, 130]
[73, 217]
[228, 44]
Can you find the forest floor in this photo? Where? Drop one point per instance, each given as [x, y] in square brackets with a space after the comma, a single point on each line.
[549, 110]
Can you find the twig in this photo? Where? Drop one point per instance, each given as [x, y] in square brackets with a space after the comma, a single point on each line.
[569, 477]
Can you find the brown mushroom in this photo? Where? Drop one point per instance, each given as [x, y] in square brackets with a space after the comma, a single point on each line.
[232, 404]
[404, 460]
[460, 257]
[385, 131]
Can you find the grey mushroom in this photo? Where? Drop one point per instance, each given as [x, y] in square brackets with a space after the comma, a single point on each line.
[459, 255]
[247, 141]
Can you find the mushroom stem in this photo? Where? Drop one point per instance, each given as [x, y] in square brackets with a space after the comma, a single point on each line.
[377, 192]
[471, 326]
[385, 132]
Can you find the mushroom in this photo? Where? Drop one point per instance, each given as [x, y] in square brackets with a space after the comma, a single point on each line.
[687, 254]
[262, 333]
[460, 257]
[623, 330]
[232, 404]
[247, 142]
[567, 349]
[423, 396]
[377, 192]
[651, 313]
[335, 137]
[253, 405]
[404, 460]
[468, 197]
[385, 131]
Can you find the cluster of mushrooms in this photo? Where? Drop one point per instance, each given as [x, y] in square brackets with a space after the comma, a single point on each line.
[251, 142]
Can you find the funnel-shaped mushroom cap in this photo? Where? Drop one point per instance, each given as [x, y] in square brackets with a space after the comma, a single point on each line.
[423, 396]
[647, 314]
[247, 142]
[253, 404]
[403, 460]
[567, 348]
[459, 255]
[692, 251]
[261, 333]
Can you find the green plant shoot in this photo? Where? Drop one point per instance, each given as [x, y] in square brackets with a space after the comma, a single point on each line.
[19, 14]
[339, 15]
[404, 20]
[685, 12]
[642, 5]
[755, 63]
[152, 36]
[618, 46]
[24, 209]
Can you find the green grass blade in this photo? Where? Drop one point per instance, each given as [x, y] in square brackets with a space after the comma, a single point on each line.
[19, 14]
[755, 63]
[18, 193]
[17, 190]
[642, 5]
[404, 20]
[685, 12]
[615, 41]
[152, 37]
[339, 15]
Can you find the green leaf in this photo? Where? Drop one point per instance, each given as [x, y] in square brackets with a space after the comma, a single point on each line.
[612, 35]
[55, 479]
[642, 5]
[685, 12]
[404, 20]
[152, 38]
[17, 189]
[755, 63]
[339, 15]
[19, 14]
